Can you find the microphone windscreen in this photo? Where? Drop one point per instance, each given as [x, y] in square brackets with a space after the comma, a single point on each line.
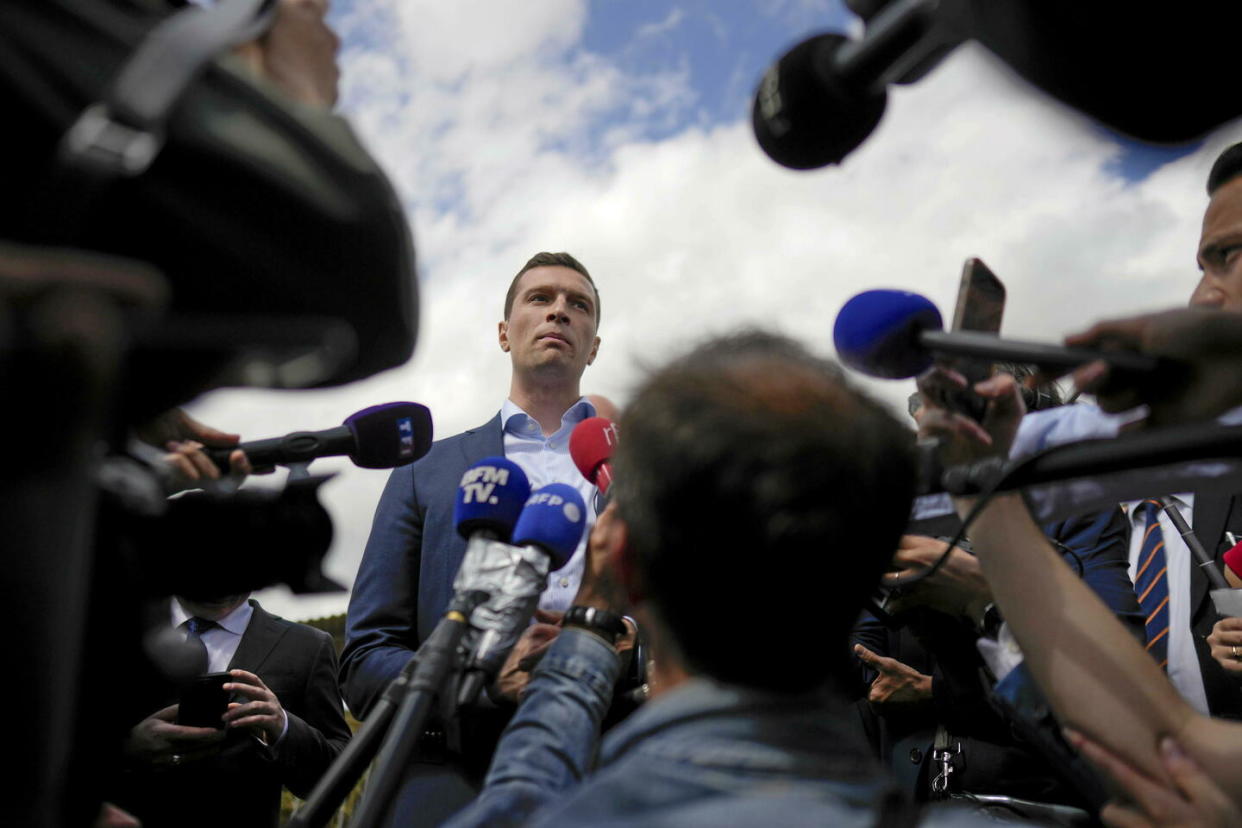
[490, 497]
[877, 333]
[554, 519]
[591, 443]
[1233, 559]
[805, 115]
[390, 435]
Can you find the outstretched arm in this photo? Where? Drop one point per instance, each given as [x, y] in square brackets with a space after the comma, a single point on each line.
[1096, 676]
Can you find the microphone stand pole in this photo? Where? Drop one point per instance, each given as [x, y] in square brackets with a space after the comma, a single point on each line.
[341, 777]
[399, 715]
[437, 659]
[1191, 540]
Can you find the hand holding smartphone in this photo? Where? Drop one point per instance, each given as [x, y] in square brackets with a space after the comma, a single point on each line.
[204, 701]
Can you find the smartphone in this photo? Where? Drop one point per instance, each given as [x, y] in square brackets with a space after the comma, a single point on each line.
[980, 308]
[204, 701]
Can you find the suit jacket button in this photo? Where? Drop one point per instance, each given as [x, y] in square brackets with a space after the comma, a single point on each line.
[916, 756]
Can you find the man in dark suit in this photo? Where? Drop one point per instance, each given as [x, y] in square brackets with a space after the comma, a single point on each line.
[404, 583]
[283, 728]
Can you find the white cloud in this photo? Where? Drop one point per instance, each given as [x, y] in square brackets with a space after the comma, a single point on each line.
[495, 140]
[671, 21]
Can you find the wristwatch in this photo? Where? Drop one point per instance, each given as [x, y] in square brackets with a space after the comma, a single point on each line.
[607, 625]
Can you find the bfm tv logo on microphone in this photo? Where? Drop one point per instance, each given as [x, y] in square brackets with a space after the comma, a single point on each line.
[405, 433]
[478, 484]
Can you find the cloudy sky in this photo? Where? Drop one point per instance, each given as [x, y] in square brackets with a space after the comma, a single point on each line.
[619, 130]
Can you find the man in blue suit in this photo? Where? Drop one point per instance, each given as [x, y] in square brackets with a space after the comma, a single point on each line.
[404, 583]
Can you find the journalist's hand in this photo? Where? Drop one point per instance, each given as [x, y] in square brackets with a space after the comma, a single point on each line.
[897, 684]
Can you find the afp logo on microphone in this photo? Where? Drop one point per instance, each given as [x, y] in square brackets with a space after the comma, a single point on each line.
[551, 500]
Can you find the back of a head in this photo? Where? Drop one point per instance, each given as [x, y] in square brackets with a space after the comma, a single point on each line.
[764, 497]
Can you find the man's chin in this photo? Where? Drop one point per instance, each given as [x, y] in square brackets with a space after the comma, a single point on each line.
[557, 363]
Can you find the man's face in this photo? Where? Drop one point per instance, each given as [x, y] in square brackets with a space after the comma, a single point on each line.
[1220, 251]
[551, 327]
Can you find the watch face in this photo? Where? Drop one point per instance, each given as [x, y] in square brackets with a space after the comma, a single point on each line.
[608, 624]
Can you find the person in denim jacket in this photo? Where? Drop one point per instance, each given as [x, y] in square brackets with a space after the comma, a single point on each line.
[758, 499]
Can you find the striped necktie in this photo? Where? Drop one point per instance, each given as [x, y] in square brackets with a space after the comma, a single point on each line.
[195, 627]
[1151, 584]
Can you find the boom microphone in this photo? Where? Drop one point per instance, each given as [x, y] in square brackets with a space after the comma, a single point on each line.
[380, 437]
[591, 445]
[825, 95]
[895, 334]
[544, 539]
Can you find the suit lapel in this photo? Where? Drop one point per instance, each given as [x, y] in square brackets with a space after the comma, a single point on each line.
[257, 642]
[485, 441]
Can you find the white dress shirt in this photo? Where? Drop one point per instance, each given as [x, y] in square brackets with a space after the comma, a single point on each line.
[221, 640]
[546, 460]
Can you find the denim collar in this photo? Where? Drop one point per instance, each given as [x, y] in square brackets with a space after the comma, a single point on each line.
[809, 731]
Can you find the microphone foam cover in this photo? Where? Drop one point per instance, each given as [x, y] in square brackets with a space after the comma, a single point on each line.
[390, 435]
[805, 115]
[490, 497]
[554, 520]
[1233, 559]
[877, 333]
[591, 443]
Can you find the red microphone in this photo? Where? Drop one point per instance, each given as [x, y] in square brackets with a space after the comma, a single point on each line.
[1233, 566]
[591, 446]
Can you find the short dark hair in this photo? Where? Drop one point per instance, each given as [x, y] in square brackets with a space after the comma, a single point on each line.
[764, 496]
[1228, 166]
[545, 259]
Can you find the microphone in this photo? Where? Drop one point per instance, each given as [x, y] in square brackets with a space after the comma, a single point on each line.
[489, 500]
[591, 445]
[826, 95]
[1233, 565]
[544, 539]
[895, 334]
[380, 437]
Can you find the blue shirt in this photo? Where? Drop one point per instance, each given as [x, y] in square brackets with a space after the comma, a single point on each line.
[546, 460]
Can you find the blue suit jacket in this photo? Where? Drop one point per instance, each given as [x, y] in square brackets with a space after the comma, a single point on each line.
[405, 581]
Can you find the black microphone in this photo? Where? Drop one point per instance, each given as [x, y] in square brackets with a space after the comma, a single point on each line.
[823, 97]
[1098, 458]
[380, 437]
[896, 334]
[1094, 474]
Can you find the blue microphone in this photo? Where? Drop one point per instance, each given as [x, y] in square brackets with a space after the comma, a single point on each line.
[895, 334]
[877, 333]
[490, 498]
[553, 521]
[546, 535]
